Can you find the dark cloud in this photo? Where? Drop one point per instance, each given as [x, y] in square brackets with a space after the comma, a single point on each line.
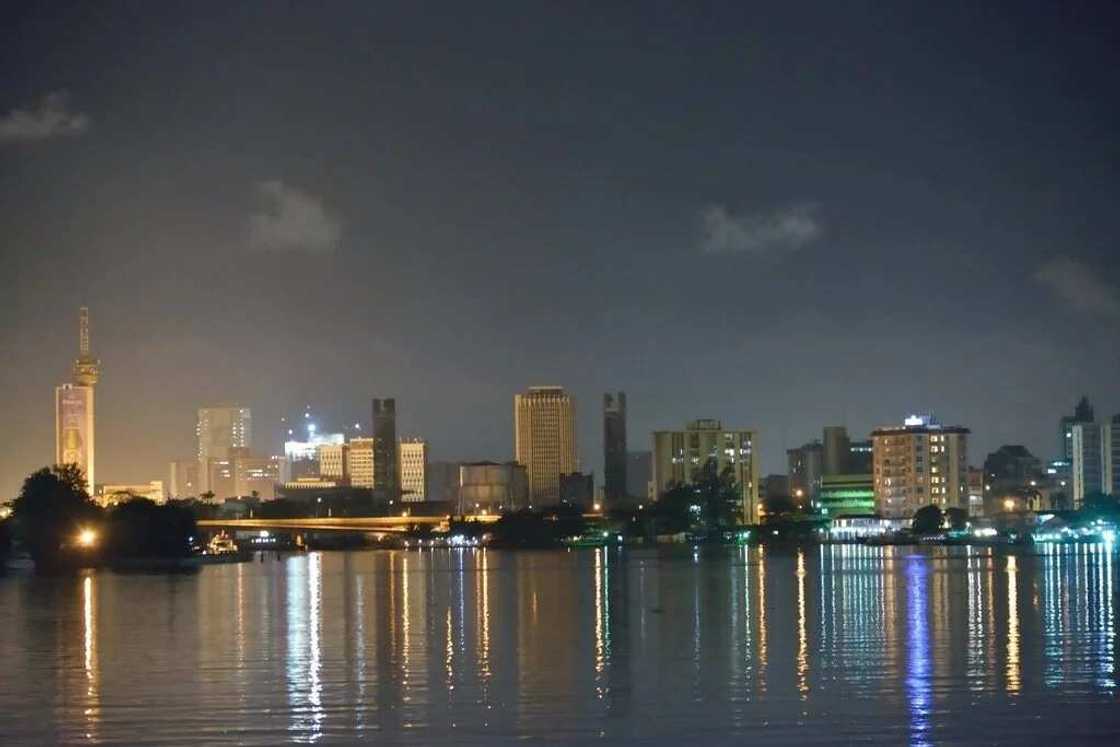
[50, 117]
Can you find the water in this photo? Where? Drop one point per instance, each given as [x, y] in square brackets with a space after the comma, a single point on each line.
[840, 643]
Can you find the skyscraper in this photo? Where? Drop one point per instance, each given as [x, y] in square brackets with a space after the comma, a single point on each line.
[545, 440]
[614, 447]
[73, 408]
[1082, 413]
[220, 429]
[386, 462]
[806, 464]
[1089, 446]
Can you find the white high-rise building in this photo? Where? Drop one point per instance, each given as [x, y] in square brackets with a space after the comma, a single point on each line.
[677, 455]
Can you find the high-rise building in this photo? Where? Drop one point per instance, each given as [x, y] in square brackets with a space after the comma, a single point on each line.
[386, 462]
[489, 487]
[413, 469]
[220, 429]
[806, 464]
[919, 463]
[332, 460]
[361, 462]
[1088, 449]
[73, 408]
[545, 440]
[577, 489]
[837, 446]
[1110, 454]
[639, 472]
[614, 447]
[1082, 413]
[677, 455]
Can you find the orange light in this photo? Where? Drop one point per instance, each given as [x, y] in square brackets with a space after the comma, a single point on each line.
[87, 538]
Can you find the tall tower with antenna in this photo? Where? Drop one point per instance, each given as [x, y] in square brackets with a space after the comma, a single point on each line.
[73, 408]
[86, 368]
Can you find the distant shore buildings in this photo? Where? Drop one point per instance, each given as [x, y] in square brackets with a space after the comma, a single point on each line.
[919, 463]
[545, 440]
[74, 409]
[678, 454]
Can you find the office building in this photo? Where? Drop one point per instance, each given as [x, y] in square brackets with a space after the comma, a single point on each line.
[386, 461]
[489, 487]
[1096, 459]
[332, 460]
[360, 458]
[258, 476]
[110, 495]
[837, 446]
[220, 429]
[919, 463]
[413, 469]
[677, 455]
[614, 447]
[303, 456]
[846, 495]
[74, 411]
[806, 464]
[545, 440]
[1082, 414]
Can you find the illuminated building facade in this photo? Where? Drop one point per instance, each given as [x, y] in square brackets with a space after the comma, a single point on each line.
[917, 464]
[360, 460]
[846, 495]
[109, 495]
[413, 469]
[73, 408]
[332, 460]
[1096, 459]
[545, 440]
[220, 429]
[678, 454]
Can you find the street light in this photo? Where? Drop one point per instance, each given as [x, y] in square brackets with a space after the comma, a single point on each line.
[87, 538]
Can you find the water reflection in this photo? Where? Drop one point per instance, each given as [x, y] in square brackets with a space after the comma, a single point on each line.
[839, 642]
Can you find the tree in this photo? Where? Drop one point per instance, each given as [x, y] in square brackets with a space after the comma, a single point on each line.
[927, 520]
[142, 529]
[957, 518]
[51, 509]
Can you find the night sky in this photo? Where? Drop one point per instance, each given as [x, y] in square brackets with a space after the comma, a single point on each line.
[783, 215]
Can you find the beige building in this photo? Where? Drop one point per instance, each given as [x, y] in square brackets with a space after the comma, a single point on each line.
[919, 463]
[108, 495]
[545, 440]
[678, 454]
[360, 462]
[413, 469]
[332, 460]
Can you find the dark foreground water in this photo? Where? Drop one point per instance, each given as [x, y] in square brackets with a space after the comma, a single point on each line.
[888, 645]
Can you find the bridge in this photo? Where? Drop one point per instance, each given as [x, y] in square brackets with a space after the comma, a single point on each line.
[370, 524]
[376, 524]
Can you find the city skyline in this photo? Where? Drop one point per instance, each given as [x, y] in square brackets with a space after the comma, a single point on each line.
[282, 427]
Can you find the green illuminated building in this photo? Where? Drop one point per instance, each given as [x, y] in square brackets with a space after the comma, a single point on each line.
[847, 495]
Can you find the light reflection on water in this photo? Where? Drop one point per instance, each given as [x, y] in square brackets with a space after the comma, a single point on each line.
[839, 642]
